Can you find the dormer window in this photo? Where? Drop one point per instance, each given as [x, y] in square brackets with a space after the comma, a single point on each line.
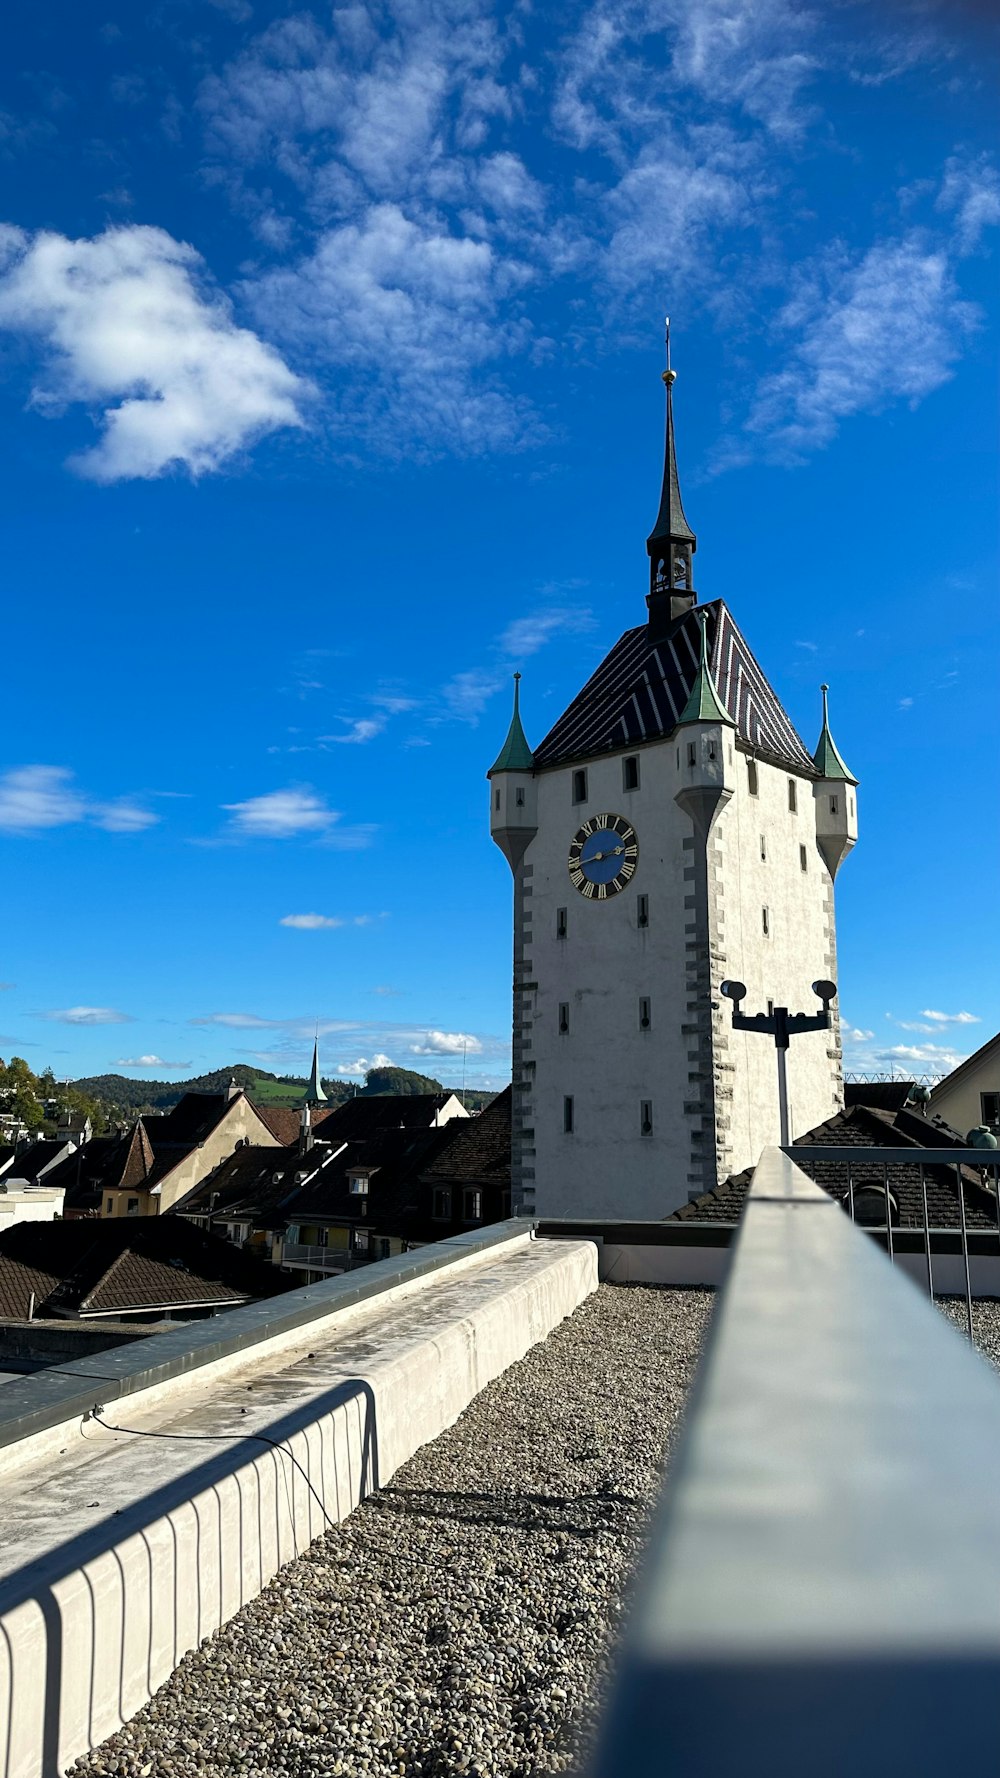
[358, 1184]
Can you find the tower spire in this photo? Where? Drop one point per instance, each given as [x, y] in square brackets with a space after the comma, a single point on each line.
[826, 759]
[314, 1094]
[515, 754]
[704, 703]
[671, 543]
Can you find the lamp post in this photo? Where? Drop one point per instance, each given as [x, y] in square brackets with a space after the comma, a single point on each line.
[782, 1025]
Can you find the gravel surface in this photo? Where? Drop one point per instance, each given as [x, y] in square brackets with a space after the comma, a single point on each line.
[460, 1621]
[985, 1323]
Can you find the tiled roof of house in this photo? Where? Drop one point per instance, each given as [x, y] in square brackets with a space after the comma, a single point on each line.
[476, 1149]
[252, 1183]
[639, 692]
[369, 1113]
[123, 1265]
[862, 1126]
[887, 1095]
[29, 1163]
[388, 1156]
[283, 1120]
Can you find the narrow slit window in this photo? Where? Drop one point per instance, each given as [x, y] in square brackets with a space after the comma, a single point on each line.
[646, 1117]
[630, 772]
[519, 797]
[568, 1115]
[642, 910]
[803, 858]
[834, 805]
[563, 1017]
[711, 748]
[763, 847]
[645, 1016]
[753, 779]
[692, 756]
[579, 787]
[496, 800]
[793, 797]
[850, 806]
[560, 922]
[765, 920]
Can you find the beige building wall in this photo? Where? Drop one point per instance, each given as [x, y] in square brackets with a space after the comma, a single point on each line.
[958, 1099]
[240, 1124]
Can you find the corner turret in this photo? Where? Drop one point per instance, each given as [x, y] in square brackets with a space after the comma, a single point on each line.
[705, 766]
[513, 791]
[836, 801]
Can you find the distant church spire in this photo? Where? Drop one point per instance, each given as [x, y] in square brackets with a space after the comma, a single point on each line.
[671, 543]
[314, 1094]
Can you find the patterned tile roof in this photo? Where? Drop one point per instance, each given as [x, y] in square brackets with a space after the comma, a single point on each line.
[640, 689]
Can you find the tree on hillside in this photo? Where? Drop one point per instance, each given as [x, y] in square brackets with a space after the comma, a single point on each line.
[380, 1081]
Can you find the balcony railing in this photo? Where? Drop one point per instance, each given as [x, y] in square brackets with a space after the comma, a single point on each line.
[821, 1593]
[323, 1259]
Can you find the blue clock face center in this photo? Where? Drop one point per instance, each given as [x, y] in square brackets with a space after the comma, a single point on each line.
[602, 855]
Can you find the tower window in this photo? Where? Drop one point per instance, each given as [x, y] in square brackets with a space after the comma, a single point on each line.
[793, 798]
[560, 922]
[691, 753]
[579, 787]
[642, 910]
[711, 748]
[568, 1115]
[753, 780]
[646, 1117]
[645, 1019]
[834, 804]
[763, 847]
[850, 806]
[765, 920]
[803, 858]
[519, 798]
[630, 772]
[563, 1017]
[496, 800]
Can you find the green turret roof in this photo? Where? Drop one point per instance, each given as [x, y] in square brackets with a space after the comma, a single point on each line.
[704, 703]
[515, 754]
[826, 759]
[314, 1094]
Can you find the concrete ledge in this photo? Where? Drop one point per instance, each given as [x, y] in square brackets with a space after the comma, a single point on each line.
[124, 1555]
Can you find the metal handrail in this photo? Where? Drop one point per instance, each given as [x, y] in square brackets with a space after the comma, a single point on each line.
[821, 1592]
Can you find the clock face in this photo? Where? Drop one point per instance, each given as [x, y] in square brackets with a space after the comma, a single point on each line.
[603, 856]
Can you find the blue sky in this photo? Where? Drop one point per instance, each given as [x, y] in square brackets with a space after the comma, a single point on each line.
[330, 343]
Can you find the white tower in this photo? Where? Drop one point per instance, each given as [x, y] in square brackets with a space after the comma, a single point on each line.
[670, 830]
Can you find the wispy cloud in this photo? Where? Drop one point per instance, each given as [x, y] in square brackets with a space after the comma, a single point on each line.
[148, 1062]
[298, 812]
[970, 191]
[33, 798]
[862, 333]
[130, 324]
[951, 1018]
[526, 635]
[88, 1015]
[324, 922]
[237, 1021]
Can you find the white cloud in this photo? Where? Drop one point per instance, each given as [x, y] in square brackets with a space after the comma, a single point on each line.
[931, 1058]
[864, 333]
[324, 922]
[237, 1021]
[88, 1015]
[148, 1062]
[281, 814]
[971, 191]
[131, 327]
[526, 635]
[951, 1018]
[446, 1043]
[362, 1064]
[36, 797]
[408, 311]
[853, 1034]
[359, 730]
[468, 694]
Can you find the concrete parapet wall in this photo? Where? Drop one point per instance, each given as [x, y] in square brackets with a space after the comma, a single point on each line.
[125, 1551]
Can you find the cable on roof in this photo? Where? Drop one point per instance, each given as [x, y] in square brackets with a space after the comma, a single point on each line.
[218, 1438]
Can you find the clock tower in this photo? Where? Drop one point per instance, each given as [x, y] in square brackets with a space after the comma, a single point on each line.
[669, 831]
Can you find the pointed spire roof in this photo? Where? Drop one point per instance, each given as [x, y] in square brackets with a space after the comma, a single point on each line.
[670, 520]
[515, 755]
[314, 1092]
[704, 703]
[826, 759]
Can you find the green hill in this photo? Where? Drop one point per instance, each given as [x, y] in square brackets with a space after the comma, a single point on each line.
[124, 1098]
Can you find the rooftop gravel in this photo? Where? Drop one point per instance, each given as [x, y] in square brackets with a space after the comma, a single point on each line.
[461, 1620]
